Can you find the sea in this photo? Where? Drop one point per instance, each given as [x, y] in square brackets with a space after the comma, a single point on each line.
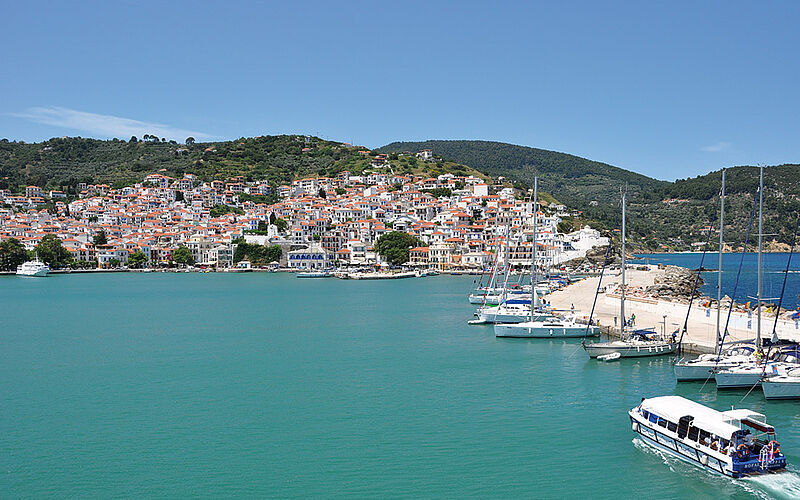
[772, 275]
[258, 385]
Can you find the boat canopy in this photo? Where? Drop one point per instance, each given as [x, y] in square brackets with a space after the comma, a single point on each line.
[673, 408]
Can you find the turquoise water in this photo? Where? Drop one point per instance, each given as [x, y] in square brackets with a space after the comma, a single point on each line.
[264, 385]
[774, 265]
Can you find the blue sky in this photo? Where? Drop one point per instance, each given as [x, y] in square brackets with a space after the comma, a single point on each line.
[669, 89]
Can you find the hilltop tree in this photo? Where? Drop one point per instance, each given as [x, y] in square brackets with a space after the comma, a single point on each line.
[394, 246]
[134, 139]
[12, 254]
[182, 255]
[189, 141]
[50, 250]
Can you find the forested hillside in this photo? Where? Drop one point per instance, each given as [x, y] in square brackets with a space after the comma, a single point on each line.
[572, 179]
[63, 162]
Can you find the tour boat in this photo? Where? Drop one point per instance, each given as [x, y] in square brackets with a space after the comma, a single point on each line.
[782, 383]
[702, 367]
[546, 326]
[33, 268]
[736, 443]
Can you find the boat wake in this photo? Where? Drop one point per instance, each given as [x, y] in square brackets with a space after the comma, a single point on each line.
[782, 485]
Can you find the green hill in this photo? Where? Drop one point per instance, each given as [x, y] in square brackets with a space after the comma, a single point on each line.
[63, 162]
[572, 179]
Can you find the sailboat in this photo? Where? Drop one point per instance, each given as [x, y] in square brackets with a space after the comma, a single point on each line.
[632, 344]
[510, 310]
[748, 375]
[539, 324]
[737, 353]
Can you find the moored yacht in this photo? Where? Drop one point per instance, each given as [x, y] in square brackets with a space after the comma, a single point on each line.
[33, 268]
[745, 376]
[546, 326]
[782, 383]
[637, 344]
[735, 443]
[702, 367]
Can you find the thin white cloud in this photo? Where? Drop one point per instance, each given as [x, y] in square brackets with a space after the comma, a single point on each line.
[716, 148]
[105, 125]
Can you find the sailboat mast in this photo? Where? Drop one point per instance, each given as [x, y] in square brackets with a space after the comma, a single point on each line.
[534, 276]
[760, 237]
[508, 242]
[622, 296]
[719, 265]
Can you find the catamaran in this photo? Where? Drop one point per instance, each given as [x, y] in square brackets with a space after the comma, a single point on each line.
[736, 443]
[636, 343]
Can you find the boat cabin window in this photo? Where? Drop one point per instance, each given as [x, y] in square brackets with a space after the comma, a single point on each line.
[705, 437]
[693, 432]
[672, 426]
[662, 422]
[646, 414]
[653, 418]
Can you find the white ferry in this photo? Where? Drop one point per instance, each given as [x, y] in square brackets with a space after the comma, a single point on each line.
[33, 268]
[735, 443]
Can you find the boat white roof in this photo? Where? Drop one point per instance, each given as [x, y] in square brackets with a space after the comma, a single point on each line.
[721, 423]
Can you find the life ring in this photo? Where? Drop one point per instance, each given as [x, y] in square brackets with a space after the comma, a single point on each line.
[742, 450]
[774, 447]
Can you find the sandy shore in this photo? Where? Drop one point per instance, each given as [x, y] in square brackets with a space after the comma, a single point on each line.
[651, 313]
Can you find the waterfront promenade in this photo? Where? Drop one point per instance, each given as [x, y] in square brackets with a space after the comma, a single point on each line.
[653, 313]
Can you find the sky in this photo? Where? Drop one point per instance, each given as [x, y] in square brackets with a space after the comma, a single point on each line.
[668, 89]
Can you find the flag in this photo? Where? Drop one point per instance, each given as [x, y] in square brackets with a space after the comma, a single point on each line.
[707, 303]
[747, 305]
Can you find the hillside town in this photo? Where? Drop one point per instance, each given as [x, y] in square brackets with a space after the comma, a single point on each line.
[318, 223]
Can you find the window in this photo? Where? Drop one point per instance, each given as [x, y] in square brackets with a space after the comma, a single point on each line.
[672, 426]
[653, 418]
[693, 433]
[662, 422]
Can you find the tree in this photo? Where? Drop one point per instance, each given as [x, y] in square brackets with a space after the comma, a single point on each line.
[179, 196]
[281, 224]
[340, 191]
[134, 139]
[183, 255]
[272, 218]
[12, 254]
[50, 250]
[137, 259]
[394, 246]
[189, 141]
[322, 194]
[263, 226]
[114, 263]
[100, 238]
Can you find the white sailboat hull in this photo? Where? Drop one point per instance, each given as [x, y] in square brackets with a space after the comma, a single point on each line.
[781, 388]
[627, 350]
[528, 330]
